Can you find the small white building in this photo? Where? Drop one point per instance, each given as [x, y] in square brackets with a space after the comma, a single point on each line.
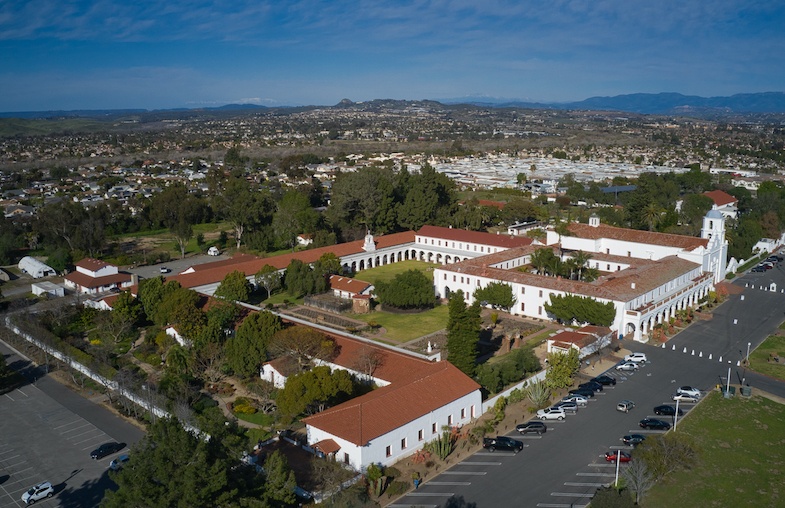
[47, 288]
[93, 276]
[34, 268]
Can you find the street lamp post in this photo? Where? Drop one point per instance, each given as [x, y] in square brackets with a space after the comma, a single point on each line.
[748, 352]
[676, 416]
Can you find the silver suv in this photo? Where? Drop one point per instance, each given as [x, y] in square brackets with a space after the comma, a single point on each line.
[38, 492]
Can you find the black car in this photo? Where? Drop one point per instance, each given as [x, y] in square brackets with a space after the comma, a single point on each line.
[502, 443]
[591, 385]
[758, 269]
[532, 427]
[666, 410]
[605, 380]
[633, 439]
[106, 449]
[586, 392]
[653, 423]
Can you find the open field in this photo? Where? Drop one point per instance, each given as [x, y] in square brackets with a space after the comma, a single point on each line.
[163, 241]
[761, 360]
[402, 328]
[388, 272]
[740, 456]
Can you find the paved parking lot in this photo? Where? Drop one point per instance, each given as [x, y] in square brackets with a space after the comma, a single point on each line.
[47, 435]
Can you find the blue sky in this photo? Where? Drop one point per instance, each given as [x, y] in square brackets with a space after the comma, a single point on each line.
[74, 54]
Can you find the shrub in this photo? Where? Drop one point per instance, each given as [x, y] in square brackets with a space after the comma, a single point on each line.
[397, 488]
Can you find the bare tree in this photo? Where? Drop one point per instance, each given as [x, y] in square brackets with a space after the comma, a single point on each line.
[208, 361]
[368, 360]
[639, 478]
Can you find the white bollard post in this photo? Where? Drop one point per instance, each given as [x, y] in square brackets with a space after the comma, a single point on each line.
[709, 356]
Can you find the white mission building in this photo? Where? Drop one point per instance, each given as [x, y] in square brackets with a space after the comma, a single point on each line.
[647, 276]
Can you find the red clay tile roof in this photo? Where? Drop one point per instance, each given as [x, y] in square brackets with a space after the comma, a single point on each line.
[462, 235]
[249, 265]
[721, 198]
[636, 236]
[385, 409]
[91, 264]
[84, 280]
[644, 273]
[348, 284]
[327, 446]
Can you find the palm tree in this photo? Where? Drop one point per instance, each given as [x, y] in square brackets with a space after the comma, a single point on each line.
[580, 259]
[652, 214]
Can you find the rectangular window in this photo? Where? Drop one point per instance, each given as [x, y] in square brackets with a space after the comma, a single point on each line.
[449, 420]
[608, 267]
[541, 293]
[473, 414]
[433, 428]
[523, 291]
[346, 458]
[478, 282]
[629, 254]
[445, 276]
[453, 278]
[420, 435]
[388, 451]
[539, 311]
[403, 444]
[523, 307]
[607, 251]
[463, 413]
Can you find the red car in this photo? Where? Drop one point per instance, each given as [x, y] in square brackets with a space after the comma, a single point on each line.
[623, 456]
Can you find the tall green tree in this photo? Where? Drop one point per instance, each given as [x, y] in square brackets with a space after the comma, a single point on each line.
[497, 294]
[294, 216]
[411, 289]
[583, 309]
[463, 333]
[247, 350]
[279, 482]
[314, 390]
[561, 369]
[268, 278]
[235, 287]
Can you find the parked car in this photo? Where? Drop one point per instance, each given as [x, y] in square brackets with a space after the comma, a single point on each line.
[625, 406]
[591, 385]
[684, 397]
[164, 269]
[613, 455]
[666, 410]
[551, 413]
[106, 449]
[688, 390]
[758, 269]
[502, 443]
[568, 407]
[584, 392]
[37, 492]
[532, 427]
[578, 399]
[605, 380]
[653, 423]
[636, 357]
[633, 439]
[627, 366]
[118, 463]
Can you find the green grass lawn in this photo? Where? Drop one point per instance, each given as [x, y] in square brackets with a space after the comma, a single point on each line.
[740, 462]
[759, 359]
[261, 419]
[388, 272]
[405, 327]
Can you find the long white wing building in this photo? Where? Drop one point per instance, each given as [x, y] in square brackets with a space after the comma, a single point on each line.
[647, 276]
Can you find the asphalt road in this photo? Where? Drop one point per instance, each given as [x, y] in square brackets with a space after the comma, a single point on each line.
[564, 467]
[48, 433]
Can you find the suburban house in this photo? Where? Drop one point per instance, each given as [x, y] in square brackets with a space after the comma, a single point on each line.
[347, 288]
[93, 276]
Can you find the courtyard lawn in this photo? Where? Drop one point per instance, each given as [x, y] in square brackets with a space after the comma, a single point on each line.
[740, 460]
[761, 360]
[388, 272]
[405, 327]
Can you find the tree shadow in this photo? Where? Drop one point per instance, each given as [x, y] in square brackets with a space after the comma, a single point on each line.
[89, 493]
[459, 502]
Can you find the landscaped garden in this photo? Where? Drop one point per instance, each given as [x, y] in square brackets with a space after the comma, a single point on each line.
[769, 357]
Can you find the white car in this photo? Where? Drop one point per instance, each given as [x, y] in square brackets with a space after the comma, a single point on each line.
[683, 397]
[636, 357]
[688, 390]
[578, 399]
[627, 366]
[38, 492]
[552, 413]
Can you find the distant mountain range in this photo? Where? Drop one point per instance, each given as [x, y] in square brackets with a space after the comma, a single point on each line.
[674, 104]
[652, 104]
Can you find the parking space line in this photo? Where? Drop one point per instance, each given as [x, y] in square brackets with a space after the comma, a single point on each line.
[69, 423]
[570, 494]
[467, 463]
[398, 505]
[579, 484]
[430, 494]
[479, 473]
[86, 424]
[10, 397]
[603, 465]
[551, 505]
[610, 475]
[448, 483]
